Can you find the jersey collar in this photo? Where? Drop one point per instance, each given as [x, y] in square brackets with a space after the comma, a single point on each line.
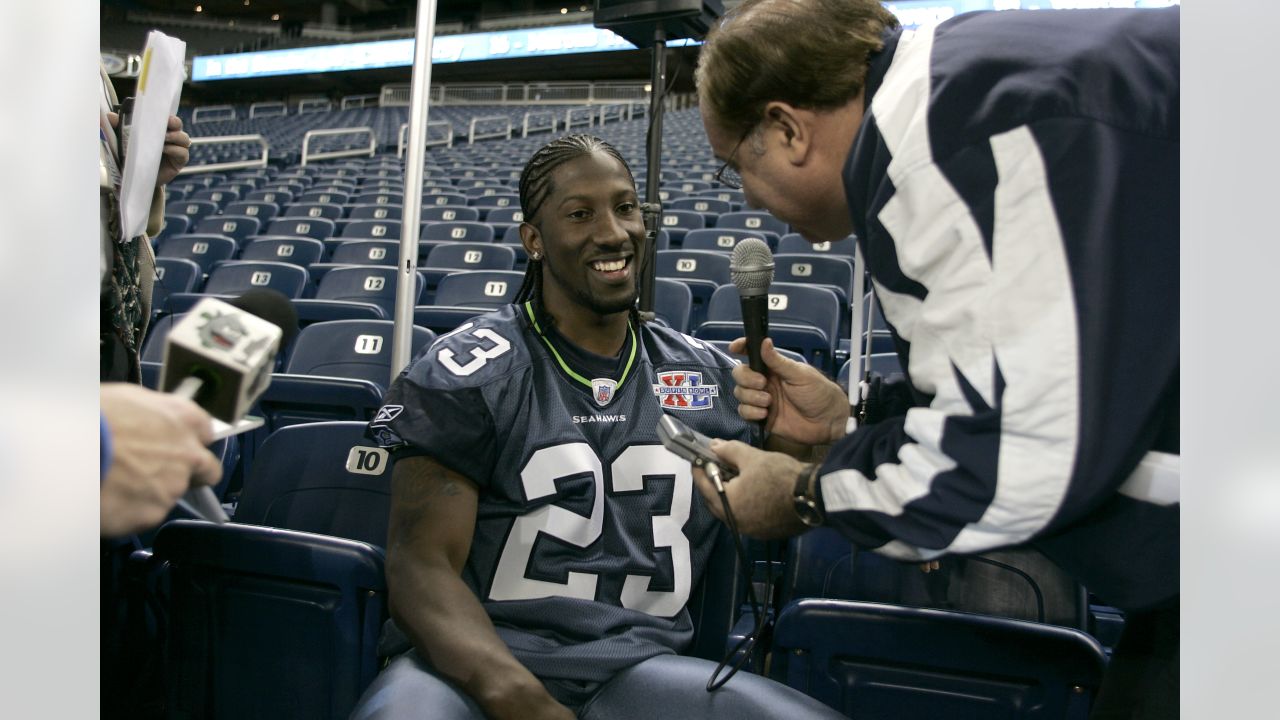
[564, 366]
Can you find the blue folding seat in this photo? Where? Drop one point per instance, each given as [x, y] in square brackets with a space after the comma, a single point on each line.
[758, 220]
[173, 225]
[465, 294]
[277, 614]
[354, 292]
[332, 196]
[679, 222]
[702, 271]
[365, 252]
[204, 250]
[443, 198]
[193, 209]
[833, 272]
[236, 227]
[313, 227]
[375, 212]
[372, 229]
[379, 198]
[238, 276]
[449, 213]
[296, 250]
[499, 198]
[795, 243]
[474, 232]
[328, 211]
[262, 210]
[218, 196]
[278, 196]
[720, 240]
[703, 205]
[801, 318]
[511, 215]
[734, 197]
[690, 186]
[448, 258]
[672, 303]
[174, 275]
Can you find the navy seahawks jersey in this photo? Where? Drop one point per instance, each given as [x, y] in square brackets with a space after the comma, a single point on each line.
[589, 534]
[1014, 189]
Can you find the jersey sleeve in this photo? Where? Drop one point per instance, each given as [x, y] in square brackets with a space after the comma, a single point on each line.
[439, 408]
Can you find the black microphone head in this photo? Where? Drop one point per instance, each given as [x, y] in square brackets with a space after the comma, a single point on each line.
[272, 306]
[751, 267]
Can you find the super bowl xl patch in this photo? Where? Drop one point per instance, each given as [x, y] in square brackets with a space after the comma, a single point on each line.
[682, 390]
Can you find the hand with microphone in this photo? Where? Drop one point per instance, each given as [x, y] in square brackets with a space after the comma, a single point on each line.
[221, 356]
[793, 399]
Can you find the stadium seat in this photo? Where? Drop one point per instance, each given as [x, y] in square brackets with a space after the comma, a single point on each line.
[325, 197]
[679, 222]
[757, 220]
[703, 205]
[173, 275]
[353, 292]
[319, 228]
[673, 303]
[795, 243]
[236, 227]
[449, 213]
[451, 257]
[262, 210]
[465, 294]
[217, 196]
[296, 250]
[379, 198]
[328, 211]
[173, 225]
[723, 346]
[505, 215]
[279, 197]
[444, 198]
[376, 212]
[875, 662]
[458, 231]
[721, 240]
[278, 613]
[372, 229]
[801, 317]
[204, 250]
[702, 271]
[193, 209]
[364, 252]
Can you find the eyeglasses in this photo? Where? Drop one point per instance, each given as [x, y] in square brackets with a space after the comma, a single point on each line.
[727, 175]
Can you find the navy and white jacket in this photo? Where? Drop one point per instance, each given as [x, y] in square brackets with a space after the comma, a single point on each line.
[1014, 189]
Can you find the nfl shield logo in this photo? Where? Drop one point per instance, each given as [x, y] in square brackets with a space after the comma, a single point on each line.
[602, 390]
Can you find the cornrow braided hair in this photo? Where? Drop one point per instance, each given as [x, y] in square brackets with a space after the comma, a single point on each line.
[536, 186]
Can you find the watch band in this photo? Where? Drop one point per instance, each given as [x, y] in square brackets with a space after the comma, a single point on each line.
[803, 498]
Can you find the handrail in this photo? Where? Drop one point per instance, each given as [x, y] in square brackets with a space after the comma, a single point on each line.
[621, 112]
[236, 165]
[195, 114]
[254, 109]
[447, 141]
[568, 116]
[472, 137]
[351, 101]
[306, 105]
[538, 113]
[306, 139]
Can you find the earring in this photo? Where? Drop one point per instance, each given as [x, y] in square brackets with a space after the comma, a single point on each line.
[536, 256]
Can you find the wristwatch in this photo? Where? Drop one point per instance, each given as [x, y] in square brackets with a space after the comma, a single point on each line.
[803, 499]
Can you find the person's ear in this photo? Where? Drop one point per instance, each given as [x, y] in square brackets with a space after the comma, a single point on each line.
[790, 129]
[531, 239]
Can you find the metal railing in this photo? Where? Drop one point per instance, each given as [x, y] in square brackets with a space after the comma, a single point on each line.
[314, 105]
[234, 165]
[584, 114]
[447, 140]
[271, 108]
[306, 141]
[537, 93]
[532, 114]
[197, 114]
[617, 112]
[505, 132]
[358, 101]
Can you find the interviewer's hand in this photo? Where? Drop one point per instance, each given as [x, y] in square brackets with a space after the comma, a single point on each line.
[158, 451]
[760, 495]
[796, 401]
[176, 151]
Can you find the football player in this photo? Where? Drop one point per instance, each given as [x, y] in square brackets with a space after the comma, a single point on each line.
[543, 544]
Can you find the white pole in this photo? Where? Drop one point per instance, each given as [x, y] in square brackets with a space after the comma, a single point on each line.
[413, 169]
[856, 368]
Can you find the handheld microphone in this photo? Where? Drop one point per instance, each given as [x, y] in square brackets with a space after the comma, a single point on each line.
[752, 272]
[221, 356]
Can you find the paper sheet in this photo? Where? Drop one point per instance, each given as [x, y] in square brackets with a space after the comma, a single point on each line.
[159, 89]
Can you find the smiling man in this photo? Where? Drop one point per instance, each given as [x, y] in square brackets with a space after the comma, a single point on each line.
[543, 544]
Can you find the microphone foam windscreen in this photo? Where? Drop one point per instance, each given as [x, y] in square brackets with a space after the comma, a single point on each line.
[751, 267]
[272, 306]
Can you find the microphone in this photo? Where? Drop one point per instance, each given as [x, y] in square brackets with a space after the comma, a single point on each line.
[221, 356]
[752, 272]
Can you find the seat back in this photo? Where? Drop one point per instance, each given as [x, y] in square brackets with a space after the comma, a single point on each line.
[295, 250]
[758, 220]
[367, 252]
[373, 229]
[673, 303]
[718, 239]
[836, 272]
[694, 265]
[795, 243]
[458, 232]
[359, 349]
[174, 275]
[366, 284]
[479, 288]
[203, 250]
[472, 256]
[236, 227]
[317, 227]
[262, 210]
[877, 662]
[237, 276]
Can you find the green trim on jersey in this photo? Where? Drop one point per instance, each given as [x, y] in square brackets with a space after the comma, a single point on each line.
[626, 370]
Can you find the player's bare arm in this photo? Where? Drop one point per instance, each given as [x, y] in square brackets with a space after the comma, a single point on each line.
[433, 517]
